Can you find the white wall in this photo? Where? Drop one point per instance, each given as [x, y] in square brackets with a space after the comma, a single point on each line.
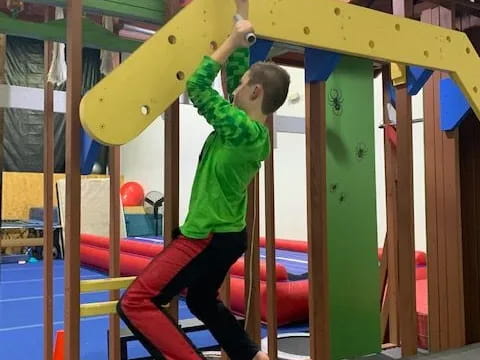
[142, 160]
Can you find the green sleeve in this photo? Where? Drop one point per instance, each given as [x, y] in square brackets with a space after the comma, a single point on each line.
[237, 64]
[232, 123]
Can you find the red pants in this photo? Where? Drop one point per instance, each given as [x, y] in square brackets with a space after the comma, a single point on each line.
[200, 267]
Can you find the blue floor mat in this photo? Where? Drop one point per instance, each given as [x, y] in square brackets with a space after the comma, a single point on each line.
[21, 314]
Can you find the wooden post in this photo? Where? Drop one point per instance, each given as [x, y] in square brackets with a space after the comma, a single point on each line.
[172, 119]
[3, 53]
[270, 248]
[48, 170]
[469, 133]
[72, 159]
[252, 265]
[405, 209]
[406, 243]
[443, 220]
[316, 139]
[114, 266]
[391, 251]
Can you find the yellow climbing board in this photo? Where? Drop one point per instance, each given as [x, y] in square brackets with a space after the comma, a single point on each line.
[123, 104]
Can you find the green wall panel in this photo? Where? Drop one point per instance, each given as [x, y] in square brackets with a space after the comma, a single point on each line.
[352, 226]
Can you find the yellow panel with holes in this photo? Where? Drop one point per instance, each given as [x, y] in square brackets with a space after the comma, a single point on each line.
[122, 105]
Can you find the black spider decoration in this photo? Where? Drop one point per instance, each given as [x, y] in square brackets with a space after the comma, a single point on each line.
[335, 99]
[361, 151]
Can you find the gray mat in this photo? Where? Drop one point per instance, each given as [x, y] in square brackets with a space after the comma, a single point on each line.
[471, 352]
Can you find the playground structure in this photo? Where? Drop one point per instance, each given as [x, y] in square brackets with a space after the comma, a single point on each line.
[329, 63]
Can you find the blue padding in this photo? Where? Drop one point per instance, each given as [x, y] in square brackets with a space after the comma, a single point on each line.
[453, 105]
[319, 64]
[416, 78]
[392, 94]
[259, 51]
[89, 153]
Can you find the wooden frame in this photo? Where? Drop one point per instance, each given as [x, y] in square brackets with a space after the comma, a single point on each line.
[72, 158]
[316, 133]
[48, 170]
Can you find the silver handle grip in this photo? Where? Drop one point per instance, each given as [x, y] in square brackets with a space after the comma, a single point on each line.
[250, 37]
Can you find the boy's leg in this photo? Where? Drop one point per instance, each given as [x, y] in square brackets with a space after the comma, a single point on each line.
[202, 298]
[141, 309]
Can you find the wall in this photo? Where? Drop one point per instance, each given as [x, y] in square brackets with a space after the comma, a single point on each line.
[142, 160]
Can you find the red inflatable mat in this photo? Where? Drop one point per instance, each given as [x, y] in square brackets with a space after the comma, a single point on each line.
[143, 251]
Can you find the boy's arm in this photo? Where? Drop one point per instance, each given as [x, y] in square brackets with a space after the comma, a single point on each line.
[232, 124]
[237, 64]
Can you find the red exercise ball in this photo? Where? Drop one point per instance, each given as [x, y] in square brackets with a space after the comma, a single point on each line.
[132, 194]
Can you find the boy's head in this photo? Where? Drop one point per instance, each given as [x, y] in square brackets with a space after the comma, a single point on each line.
[263, 88]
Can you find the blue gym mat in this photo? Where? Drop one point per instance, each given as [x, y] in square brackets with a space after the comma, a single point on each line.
[21, 311]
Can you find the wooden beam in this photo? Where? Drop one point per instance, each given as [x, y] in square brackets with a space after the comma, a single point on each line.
[73, 199]
[272, 322]
[151, 11]
[252, 264]
[94, 36]
[316, 139]
[48, 171]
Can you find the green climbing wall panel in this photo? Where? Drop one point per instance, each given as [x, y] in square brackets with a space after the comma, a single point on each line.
[352, 225]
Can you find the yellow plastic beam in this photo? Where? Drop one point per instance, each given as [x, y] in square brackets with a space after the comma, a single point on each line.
[124, 103]
[105, 284]
[398, 73]
[100, 308]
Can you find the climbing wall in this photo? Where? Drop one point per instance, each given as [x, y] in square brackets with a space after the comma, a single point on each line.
[352, 232]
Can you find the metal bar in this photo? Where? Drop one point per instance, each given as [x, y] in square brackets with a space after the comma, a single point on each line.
[48, 170]
[270, 250]
[72, 158]
[114, 266]
[414, 121]
[316, 139]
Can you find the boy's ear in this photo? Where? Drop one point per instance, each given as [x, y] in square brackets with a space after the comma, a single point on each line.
[257, 91]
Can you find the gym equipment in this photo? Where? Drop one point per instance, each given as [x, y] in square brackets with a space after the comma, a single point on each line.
[291, 346]
[131, 193]
[250, 37]
[152, 204]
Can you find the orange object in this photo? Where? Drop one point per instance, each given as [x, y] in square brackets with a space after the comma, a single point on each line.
[59, 341]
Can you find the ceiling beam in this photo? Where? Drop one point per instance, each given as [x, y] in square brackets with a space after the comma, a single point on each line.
[150, 11]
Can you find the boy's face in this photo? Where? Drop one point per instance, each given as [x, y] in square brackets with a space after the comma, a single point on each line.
[243, 93]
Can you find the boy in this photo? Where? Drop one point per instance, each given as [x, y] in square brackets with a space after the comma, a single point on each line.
[213, 236]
